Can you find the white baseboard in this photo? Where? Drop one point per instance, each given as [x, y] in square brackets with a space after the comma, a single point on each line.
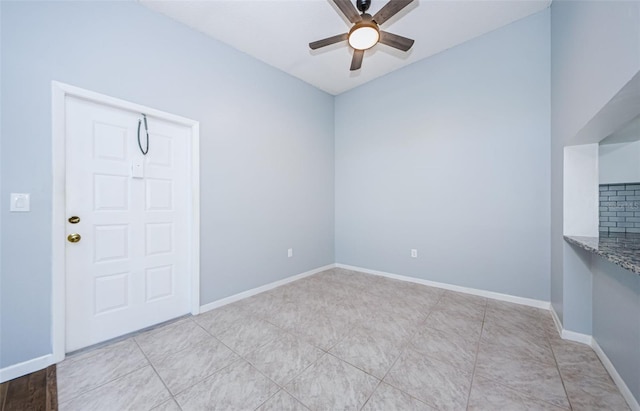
[556, 319]
[577, 337]
[608, 365]
[26, 367]
[245, 294]
[624, 390]
[482, 293]
[570, 335]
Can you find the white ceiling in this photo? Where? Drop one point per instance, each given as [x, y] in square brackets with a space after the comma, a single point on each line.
[278, 32]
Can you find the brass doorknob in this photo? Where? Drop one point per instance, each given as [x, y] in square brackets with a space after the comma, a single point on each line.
[74, 238]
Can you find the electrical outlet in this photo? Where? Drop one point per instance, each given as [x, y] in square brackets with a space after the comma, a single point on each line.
[414, 253]
[290, 252]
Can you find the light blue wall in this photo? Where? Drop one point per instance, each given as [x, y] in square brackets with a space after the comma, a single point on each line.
[595, 50]
[578, 295]
[450, 156]
[616, 319]
[266, 148]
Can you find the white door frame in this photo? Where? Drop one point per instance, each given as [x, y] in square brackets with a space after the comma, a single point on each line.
[60, 91]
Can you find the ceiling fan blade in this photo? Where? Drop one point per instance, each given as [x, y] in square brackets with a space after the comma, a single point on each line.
[349, 10]
[395, 41]
[390, 9]
[328, 41]
[356, 61]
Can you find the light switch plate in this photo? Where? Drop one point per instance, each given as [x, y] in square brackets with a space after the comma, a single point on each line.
[19, 202]
[137, 168]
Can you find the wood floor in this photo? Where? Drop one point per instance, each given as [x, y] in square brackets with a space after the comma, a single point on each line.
[33, 392]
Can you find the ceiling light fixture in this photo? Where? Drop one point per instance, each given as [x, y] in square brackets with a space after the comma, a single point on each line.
[365, 32]
[364, 35]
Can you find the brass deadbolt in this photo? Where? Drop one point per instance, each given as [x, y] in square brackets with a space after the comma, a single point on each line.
[74, 219]
[74, 238]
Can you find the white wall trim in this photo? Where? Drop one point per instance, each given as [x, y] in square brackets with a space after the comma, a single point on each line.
[467, 290]
[624, 390]
[570, 335]
[194, 257]
[26, 367]
[608, 365]
[580, 195]
[249, 293]
[577, 337]
[59, 92]
[556, 320]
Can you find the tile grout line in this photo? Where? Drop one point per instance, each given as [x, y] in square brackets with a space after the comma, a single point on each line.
[396, 359]
[209, 375]
[106, 382]
[267, 400]
[299, 374]
[241, 357]
[529, 395]
[403, 349]
[221, 342]
[406, 346]
[559, 372]
[285, 331]
[475, 362]
[103, 384]
[282, 386]
[108, 345]
[355, 366]
[158, 375]
[364, 404]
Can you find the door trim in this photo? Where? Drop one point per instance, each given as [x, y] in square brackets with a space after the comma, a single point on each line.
[59, 93]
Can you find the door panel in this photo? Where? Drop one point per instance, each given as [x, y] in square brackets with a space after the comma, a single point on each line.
[130, 269]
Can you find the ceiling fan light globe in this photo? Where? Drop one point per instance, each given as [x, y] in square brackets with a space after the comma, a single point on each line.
[363, 37]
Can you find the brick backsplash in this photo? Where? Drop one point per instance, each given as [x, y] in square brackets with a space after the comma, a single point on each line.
[620, 208]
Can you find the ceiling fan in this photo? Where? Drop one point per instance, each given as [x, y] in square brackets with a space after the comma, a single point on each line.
[365, 32]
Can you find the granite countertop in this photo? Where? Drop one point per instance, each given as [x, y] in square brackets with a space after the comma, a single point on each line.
[622, 249]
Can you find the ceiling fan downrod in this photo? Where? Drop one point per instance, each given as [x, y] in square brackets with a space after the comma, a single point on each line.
[363, 5]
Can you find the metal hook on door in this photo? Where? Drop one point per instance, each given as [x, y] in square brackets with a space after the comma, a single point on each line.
[146, 129]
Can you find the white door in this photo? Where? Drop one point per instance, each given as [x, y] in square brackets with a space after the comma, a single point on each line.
[131, 268]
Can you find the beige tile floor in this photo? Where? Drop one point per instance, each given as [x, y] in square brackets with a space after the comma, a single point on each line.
[342, 340]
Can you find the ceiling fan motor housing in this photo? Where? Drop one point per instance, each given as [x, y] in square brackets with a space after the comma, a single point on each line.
[363, 5]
